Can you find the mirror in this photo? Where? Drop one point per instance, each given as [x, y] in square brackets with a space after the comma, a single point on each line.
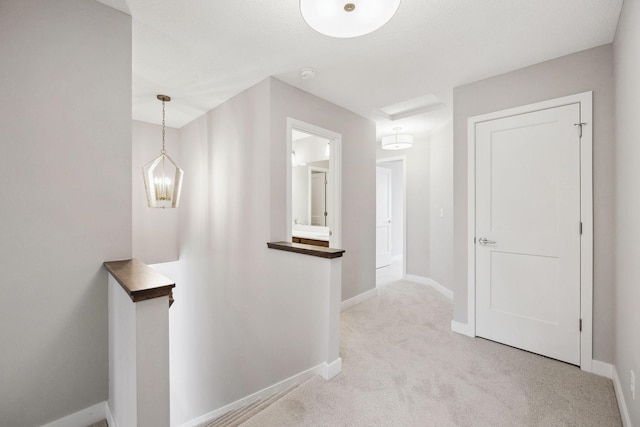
[310, 190]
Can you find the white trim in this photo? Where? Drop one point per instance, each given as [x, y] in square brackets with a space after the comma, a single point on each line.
[602, 368]
[430, 282]
[332, 369]
[396, 258]
[622, 405]
[402, 159]
[470, 328]
[310, 170]
[109, 416]
[322, 369]
[83, 418]
[586, 240]
[585, 100]
[335, 176]
[463, 329]
[371, 293]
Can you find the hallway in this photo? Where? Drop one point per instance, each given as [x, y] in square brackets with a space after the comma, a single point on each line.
[404, 367]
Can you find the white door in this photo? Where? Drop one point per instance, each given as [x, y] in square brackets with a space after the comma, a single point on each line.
[383, 217]
[319, 199]
[528, 232]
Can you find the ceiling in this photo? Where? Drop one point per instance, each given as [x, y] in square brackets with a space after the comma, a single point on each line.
[203, 52]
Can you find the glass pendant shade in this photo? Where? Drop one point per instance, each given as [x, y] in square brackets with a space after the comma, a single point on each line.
[397, 142]
[347, 18]
[162, 176]
[162, 182]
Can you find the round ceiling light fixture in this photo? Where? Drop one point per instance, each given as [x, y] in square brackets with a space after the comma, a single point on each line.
[344, 19]
[397, 141]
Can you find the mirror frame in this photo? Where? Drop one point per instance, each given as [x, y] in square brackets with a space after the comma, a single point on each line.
[335, 174]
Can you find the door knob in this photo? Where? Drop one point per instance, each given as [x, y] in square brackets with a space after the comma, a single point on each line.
[484, 241]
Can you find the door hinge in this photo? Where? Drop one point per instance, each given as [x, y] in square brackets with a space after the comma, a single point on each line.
[581, 227]
[579, 128]
[580, 329]
[325, 214]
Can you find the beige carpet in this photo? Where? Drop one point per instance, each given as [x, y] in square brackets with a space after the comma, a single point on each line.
[402, 366]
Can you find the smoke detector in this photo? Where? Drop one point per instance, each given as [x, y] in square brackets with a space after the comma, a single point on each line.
[307, 73]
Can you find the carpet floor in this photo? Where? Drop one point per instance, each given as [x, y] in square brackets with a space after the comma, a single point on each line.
[402, 366]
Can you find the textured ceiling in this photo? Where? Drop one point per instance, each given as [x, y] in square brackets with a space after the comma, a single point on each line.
[202, 52]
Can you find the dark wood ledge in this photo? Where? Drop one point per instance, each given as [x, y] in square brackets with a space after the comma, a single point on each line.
[140, 281]
[312, 250]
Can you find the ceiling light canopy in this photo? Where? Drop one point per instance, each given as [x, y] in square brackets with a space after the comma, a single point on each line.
[397, 141]
[347, 18]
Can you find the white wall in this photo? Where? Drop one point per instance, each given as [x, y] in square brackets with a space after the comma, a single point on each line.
[358, 178]
[590, 70]
[155, 231]
[122, 355]
[397, 209]
[65, 169]
[441, 202]
[627, 202]
[311, 149]
[417, 204]
[245, 316]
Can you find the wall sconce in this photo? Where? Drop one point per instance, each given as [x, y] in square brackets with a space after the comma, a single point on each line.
[396, 141]
[162, 176]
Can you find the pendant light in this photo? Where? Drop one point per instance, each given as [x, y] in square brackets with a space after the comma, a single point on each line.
[162, 176]
[347, 18]
[397, 141]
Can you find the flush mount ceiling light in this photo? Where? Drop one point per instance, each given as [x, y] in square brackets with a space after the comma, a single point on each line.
[162, 176]
[347, 18]
[397, 141]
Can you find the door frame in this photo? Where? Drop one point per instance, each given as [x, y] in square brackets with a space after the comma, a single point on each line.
[402, 159]
[389, 195]
[585, 100]
[311, 170]
[335, 173]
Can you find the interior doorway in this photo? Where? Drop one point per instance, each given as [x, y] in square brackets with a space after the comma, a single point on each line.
[319, 193]
[390, 219]
[531, 228]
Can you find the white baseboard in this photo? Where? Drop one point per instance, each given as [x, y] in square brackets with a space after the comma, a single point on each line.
[358, 299]
[622, 405]
[602, 368]
[83, 418]
[322, 369]
[462, 328]
[109, 416]
[426, 281]
[332, 369]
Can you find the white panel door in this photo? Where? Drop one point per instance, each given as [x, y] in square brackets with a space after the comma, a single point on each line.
[319, 199]
[528, 232]
[383, 217]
